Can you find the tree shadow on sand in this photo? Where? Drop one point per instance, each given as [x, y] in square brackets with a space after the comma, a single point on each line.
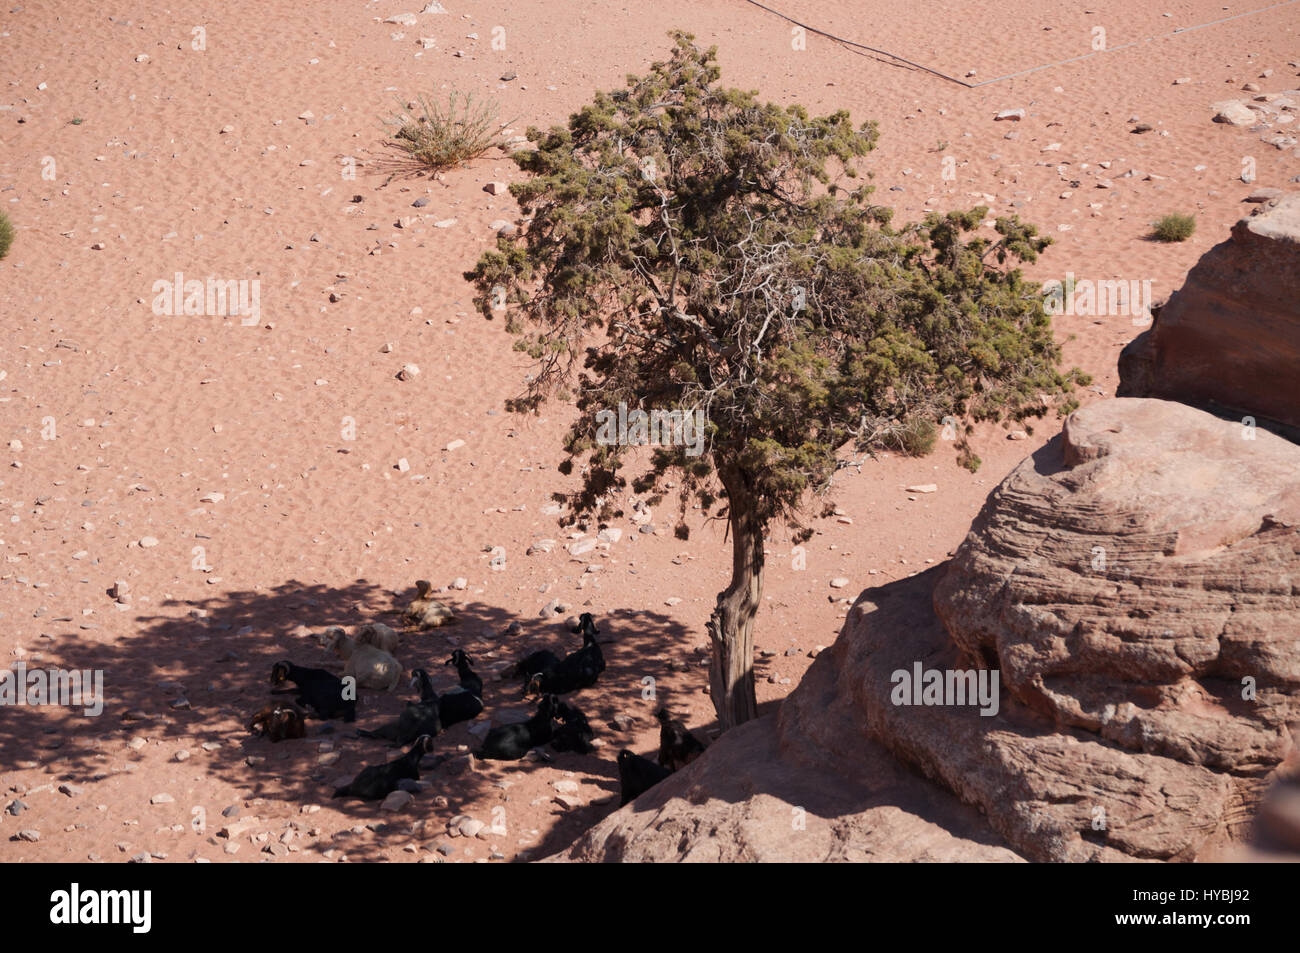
[194, 672]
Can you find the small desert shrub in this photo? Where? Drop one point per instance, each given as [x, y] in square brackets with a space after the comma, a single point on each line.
[915, 437]
[437, 137]
[6, 234]
[1174, 228]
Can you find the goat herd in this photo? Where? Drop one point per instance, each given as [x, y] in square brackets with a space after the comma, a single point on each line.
[546, 676]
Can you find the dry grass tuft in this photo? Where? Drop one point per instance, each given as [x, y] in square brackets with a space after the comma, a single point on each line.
[432, 137]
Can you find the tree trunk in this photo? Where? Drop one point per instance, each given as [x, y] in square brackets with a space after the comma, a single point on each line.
[731, 626]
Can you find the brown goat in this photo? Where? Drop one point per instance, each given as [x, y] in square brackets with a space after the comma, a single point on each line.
[278, 721]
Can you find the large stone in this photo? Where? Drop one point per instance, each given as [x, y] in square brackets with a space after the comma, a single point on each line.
[1136, 576]
[1051, 795]
[396, 801]
[1234, 112]
[1229, 339]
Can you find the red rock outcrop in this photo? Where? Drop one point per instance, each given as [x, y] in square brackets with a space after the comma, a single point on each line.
[1137, 577]
[1229, 339]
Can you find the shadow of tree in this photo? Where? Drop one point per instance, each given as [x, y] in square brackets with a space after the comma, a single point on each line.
[196, 670]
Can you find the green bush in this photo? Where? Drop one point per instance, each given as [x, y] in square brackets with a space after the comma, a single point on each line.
[1174, 228]
[6, 234]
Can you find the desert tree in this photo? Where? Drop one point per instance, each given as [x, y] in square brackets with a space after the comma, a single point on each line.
[689, 248]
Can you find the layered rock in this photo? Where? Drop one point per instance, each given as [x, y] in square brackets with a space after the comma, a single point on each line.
[1137, 577]
[1052, 795]
[1133, 584]
[1229, 339]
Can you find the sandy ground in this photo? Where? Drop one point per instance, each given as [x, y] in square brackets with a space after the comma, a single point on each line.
[123, 420]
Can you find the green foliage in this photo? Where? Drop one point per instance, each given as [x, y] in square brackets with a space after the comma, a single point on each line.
[432, 137]
[693, 248]
[6, 234]
[1173, 228]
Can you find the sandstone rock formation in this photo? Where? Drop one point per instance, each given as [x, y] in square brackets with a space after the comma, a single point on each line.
[1229, 339]
[1134, 584]
[1134, 573]
[770, 791]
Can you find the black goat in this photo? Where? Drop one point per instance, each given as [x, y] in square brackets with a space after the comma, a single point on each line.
[468, 680]
[512, 742]
[637, 775]
[530, 665]
[319, 690]
[574, 733]
[417, 718]
[278, 722]
[576, 670]
[587, 626]
[677, 746]
[466, 702]
[380, 780]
